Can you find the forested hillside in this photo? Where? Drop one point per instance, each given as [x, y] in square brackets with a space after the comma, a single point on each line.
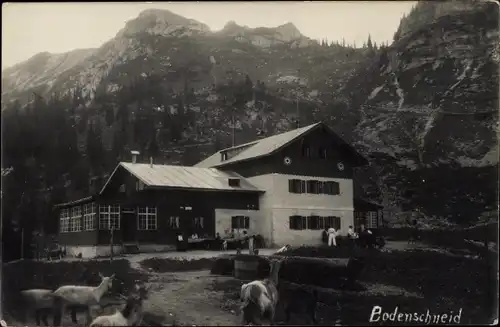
[423, 110]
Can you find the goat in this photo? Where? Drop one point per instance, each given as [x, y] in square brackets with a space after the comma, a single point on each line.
[130, 315]
[299, 301]
[79, 296]
[284, 248]
[42, 302]
[260, 297]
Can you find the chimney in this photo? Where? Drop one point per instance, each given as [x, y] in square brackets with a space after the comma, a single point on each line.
[151, 162]
[134, 156]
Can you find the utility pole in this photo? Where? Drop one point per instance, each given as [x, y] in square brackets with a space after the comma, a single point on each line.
[1, 265]
[297, 98]
[232, 128]
[22, 243]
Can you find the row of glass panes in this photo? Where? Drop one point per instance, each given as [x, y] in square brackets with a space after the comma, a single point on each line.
[109, 216]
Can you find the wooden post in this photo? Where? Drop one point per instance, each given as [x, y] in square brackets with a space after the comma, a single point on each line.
[111, 244]
[22, 243]
[1, 267]
[250, 245]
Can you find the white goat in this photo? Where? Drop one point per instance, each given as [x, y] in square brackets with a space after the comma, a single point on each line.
[79, 296]
[260, 297]
[42, 302]
[130, 315]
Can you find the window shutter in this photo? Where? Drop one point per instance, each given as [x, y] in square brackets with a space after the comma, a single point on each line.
[313, 222]
[336, 188]
[302, 186]
[304, 222]
[291, 185]
[320, 188]
[336, 223]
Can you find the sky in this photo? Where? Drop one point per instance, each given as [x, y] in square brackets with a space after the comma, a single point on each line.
[30, 28]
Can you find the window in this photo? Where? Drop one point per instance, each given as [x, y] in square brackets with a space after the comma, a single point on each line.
[331, 188]
[323, 153]
[122, 188]
[64, 221]
[313, 187]
[139, 185]
[332, 221]
[174, 222]
[146, 218]
[234, 182]
[315, 222]
[76, 219]
[298, 222]
[240, 222]
[296, 186]
[359, 218]
[371, 219]
[89, 213]
[306, 151]
[109, 216]
[198, 223]
[223, 156]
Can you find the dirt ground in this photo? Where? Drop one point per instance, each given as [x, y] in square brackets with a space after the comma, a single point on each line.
[191, 298]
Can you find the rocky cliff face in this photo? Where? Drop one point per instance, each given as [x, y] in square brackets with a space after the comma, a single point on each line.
[424, 110]
[163, 22]
[430, 108]
[286, 34]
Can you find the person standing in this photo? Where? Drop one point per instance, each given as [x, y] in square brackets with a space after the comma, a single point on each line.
[332, 234]
[324, 236]
[251, 245]
[352, 236]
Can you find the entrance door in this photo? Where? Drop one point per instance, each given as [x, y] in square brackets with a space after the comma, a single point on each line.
[128, 226]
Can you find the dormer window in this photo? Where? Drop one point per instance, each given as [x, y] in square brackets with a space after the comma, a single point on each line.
[234, 182]
[223, 156]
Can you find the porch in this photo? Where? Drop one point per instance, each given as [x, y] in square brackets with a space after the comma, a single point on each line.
[368, 214]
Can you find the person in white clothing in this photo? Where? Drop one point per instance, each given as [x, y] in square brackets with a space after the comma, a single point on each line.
[332, 234]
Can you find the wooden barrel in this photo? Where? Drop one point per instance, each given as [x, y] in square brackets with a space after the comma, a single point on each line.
[246, 269]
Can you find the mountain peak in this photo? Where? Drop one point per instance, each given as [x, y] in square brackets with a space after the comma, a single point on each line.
[161, 14]
[162, 22]
[290, 29]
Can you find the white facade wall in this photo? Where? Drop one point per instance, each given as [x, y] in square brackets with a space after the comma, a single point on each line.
[278, 204]
[266, 200]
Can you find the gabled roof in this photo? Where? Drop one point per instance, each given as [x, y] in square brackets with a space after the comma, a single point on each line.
[257, 148]
[183, 177]
[79, 201]
[268, 146]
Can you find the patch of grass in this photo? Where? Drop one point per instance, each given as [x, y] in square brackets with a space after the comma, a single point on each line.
[445, 282]
[177, 265]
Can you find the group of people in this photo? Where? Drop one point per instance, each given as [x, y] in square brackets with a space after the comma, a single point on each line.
[330, 235]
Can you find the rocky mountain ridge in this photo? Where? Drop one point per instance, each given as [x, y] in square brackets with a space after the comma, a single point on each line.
[45, 73]
[423, 110]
